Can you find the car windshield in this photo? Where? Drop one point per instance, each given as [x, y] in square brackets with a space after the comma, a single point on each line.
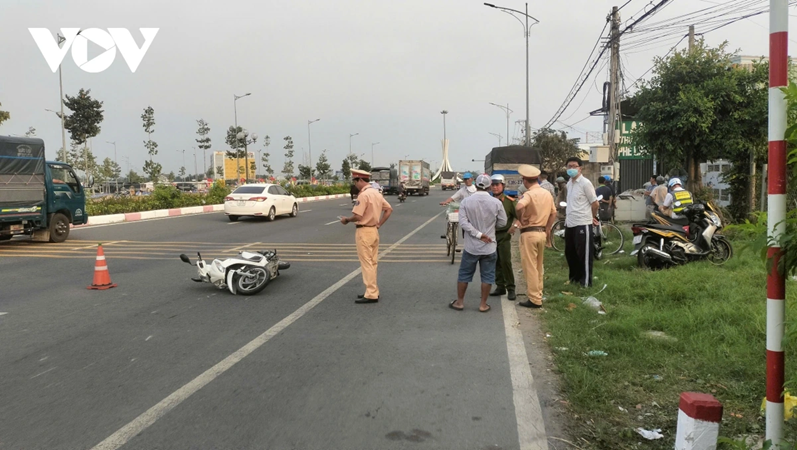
[249, 190]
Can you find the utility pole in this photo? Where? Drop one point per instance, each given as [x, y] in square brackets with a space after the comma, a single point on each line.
[614, 93]
[691, 38]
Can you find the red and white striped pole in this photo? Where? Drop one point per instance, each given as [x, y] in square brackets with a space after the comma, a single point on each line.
[776, 284]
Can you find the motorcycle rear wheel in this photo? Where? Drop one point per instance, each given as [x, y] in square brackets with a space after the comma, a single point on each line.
[647, 262]
[255, 280]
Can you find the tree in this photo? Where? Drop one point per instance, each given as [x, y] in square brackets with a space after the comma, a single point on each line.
[209, 172]
[220, 171]
[83, 160]
[151, 168]
[694, 109]
[182, 173]
[364, 165]
[232, 140]
[287, 169]
[304, 172]
[346, 169]
[203, 143]
[4, 115]
[266, 156]
[31, 132]
[133, 177]
[110, 169]
[84, 122]
[170, 176]
[554, 148]
[322, 166]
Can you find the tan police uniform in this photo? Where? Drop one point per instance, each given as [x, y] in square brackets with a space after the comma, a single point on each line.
[533, 211]
[369, 205]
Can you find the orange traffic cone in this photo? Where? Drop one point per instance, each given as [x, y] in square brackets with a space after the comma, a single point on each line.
[102, 279]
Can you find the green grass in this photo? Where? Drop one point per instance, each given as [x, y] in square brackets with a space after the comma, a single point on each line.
[717, 317]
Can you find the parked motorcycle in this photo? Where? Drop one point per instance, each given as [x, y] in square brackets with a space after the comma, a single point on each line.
[246, 274]
[666, 242]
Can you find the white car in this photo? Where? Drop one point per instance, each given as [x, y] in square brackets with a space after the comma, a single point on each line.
[269, 200]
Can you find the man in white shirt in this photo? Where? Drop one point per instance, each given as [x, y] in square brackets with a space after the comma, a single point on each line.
[463, 192]
[479, 216]
[582, 207]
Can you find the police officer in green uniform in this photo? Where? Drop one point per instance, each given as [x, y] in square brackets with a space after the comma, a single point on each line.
[504, 277]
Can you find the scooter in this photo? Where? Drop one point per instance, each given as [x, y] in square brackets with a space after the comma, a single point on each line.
[666, 242]
[246, 274]
[402, 197]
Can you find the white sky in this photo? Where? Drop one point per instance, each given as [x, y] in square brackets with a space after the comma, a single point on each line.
[383, 69]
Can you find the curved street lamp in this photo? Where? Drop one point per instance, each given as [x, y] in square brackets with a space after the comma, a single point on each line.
[526, 32]
[309, 148]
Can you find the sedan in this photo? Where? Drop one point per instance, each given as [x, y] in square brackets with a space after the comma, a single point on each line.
[269, 200]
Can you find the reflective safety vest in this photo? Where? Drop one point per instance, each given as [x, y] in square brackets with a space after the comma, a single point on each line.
[681, 199]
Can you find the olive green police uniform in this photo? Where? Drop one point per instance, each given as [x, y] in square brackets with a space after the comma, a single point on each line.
[504, 277]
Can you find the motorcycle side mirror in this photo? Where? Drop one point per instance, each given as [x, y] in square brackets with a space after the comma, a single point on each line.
[563, 204]
[185, 259]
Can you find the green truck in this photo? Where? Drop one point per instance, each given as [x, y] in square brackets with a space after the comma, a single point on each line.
[38, 198]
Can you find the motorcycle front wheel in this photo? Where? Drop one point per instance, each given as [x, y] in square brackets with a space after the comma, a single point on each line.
[721, 251]
[251, 281]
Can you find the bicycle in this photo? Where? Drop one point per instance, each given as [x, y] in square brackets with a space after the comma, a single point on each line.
[608, 236]
[452, 224]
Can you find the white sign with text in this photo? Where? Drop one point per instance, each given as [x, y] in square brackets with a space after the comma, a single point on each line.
[78, 41]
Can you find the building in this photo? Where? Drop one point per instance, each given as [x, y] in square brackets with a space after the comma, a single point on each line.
[228, 166]
[747, 62]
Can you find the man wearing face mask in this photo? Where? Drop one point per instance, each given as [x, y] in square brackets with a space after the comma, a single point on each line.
[582, 207]
[464, 192]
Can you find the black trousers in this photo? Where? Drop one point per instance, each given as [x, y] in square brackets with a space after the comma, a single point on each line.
[579, 254]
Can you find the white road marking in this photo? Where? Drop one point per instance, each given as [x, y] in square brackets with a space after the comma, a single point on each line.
[243, 247]
[86, 227]
[148, 338]
[3, 313]
[334, 221]
[43, 358]
[142, 422]
[530, 426]
[306, 210]
[48, 370]
[233, 223]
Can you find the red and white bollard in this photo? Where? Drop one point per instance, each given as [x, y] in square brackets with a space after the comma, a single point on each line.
[699, 417]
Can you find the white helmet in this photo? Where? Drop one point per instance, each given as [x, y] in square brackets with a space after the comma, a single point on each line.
[483, 181]
[376, 186]
[674, 181]
[499, 178]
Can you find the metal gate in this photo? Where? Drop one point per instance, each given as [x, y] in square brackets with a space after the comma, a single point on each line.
[634, 173]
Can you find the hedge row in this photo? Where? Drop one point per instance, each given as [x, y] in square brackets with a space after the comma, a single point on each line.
[167, 196]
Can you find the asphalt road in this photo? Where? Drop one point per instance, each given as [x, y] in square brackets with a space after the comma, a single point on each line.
[163, 362]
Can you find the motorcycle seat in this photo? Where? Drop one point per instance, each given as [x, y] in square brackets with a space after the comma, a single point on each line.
[254, 257]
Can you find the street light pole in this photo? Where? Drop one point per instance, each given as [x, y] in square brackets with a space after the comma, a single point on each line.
[351, 136]
[372, 153]
[499, 137]
[235, 107]
[195, 166]
[115, 162]
[508, 112]
[61, 40]
[526, 32]
[310, 149]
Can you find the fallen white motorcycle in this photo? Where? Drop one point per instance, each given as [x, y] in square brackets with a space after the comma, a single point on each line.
[245, 274]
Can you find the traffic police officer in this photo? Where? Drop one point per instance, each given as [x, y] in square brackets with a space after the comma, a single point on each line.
[370, 212]
[536, 214]
[504, 277]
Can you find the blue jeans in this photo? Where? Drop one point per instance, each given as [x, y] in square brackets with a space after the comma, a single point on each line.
[467, 267]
